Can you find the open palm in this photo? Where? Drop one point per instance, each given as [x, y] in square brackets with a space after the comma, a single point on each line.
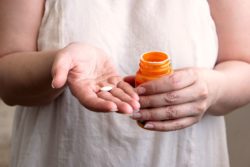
[86, 70]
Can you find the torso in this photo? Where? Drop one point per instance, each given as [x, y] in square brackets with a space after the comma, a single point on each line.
[64, 133]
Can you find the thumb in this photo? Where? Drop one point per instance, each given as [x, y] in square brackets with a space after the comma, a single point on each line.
[60, 70]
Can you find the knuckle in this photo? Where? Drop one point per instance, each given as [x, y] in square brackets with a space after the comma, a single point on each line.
[171, 113]
[144, 101]
[201, 107]
[174, 81]
[170, 98]
[203, 92]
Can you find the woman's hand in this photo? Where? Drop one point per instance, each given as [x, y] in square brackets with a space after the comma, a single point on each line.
[177, 101]
[86, 69]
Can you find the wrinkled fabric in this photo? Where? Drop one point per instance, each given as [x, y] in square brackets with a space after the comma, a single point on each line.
[65, 134]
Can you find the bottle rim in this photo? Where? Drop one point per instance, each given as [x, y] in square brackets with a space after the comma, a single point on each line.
[164, 60]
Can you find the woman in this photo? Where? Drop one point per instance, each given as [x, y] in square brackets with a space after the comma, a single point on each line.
[56, 81]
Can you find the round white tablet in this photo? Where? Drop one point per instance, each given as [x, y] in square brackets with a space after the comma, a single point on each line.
[106, 88]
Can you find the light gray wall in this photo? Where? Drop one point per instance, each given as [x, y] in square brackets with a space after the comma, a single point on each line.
[6, 115]
[238, 130]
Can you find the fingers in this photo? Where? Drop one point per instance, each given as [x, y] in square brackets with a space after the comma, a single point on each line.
[170, 112]
[195, 92]
[119, 99]
[87, 97]
[60, 70]
[121, 106]
[172, 125]
[171, 118]
[122, 96]
[179, 80]
[99, 104]
[128, 89]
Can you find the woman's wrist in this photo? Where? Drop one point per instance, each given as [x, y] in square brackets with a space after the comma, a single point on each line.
[215, 81]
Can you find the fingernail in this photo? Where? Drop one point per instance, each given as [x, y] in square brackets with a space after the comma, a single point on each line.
[141, 90]
[137, 106]
[136, 115]
[136, 111]
[149, 126]
[135, 97]
[130, 111]
[114, 109]
[52, 84]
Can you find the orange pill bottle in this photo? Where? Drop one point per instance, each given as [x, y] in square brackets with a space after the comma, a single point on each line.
[153, 65]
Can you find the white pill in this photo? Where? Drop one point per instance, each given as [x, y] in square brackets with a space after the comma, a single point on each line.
[106, 88]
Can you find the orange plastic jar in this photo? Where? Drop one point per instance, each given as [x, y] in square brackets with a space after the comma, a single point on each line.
[153, 65]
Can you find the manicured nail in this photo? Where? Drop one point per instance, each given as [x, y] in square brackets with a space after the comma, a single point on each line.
[149, 126]
[141, 90]
[136, 115]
